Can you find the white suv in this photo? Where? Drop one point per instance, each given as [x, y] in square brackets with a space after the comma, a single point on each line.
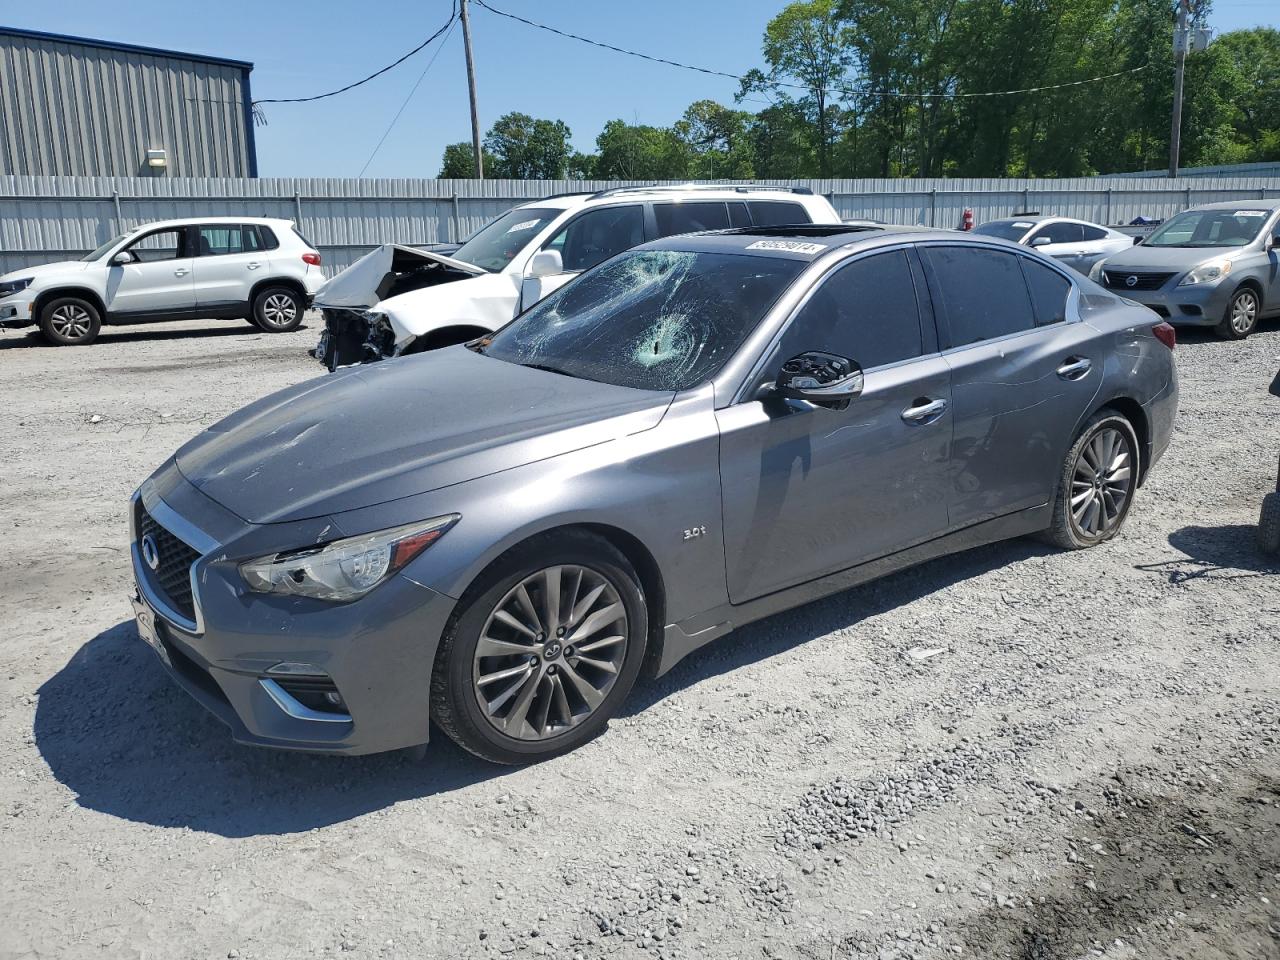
[398, 300]
[260, 270]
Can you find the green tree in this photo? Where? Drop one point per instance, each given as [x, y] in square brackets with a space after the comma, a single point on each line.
[525, 148]
[716, 140]
[581, 166]
[640, 152]
[459, 162]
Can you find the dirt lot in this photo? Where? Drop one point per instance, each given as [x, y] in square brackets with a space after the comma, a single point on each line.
[1089, 767]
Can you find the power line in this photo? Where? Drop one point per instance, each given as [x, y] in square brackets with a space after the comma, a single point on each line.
[452, 23]
[847, 91]
[333, 93]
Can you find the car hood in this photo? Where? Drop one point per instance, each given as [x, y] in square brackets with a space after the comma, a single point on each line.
[62, 266]
[377, 433]
[1166, 258]
[366, 281]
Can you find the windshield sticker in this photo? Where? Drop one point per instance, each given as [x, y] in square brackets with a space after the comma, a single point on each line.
[1250, 213]
[523, 225]
[791, 246]
[1023, 223]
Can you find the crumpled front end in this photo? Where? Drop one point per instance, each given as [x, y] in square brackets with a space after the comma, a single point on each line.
[353, 336]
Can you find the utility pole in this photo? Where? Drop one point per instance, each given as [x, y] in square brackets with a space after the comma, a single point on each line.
[471, 87]
[1181, 41]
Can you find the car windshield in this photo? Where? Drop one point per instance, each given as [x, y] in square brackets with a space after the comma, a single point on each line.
[649, 319]
[495, 245]
[101, 251]
[1209, 228]
[1013, 230]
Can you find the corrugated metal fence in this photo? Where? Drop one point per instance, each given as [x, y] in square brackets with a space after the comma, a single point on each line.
[52, 218]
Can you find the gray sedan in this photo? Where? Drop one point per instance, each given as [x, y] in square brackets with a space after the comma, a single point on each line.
[700, 432]
[1076, 243]
[1217, 266]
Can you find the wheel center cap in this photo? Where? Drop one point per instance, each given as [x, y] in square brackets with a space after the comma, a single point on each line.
[551, 650]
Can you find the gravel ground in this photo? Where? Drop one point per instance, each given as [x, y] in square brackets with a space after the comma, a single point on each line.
[1087, 767]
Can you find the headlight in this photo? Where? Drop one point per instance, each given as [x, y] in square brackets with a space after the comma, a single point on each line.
[1207, 273]
[344, 570]
[1095, 272]
[13, 286]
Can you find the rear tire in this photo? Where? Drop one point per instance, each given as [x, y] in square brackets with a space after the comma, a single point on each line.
[567, 697]
[1269, 524]
[1096, 487]
[70, 322]
[278, 309]
[1241, 316]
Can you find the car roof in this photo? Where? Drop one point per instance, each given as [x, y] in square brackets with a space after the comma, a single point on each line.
[185, 221]
[1271, 203]
[671, 191]
[802, 241]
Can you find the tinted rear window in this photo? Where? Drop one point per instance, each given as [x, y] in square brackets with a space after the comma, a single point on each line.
[690, 217]
[1048, 290]
[769, 213]
[983, 293]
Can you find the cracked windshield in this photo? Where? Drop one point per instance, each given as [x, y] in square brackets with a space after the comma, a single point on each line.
[654, 319]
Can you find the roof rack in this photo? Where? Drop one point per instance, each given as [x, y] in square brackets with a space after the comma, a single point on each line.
[558, 196]
[692, 187]
[803, 230]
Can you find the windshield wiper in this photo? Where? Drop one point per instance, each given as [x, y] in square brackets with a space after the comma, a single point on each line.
[550, 369]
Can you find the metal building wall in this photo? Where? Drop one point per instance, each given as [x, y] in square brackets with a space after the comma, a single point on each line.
[80, 108]
[53, 218]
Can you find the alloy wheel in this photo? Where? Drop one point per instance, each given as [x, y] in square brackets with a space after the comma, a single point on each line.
[279, 309]
[70, 321]
[1244, 311]
[1101, 484]
[550, 652]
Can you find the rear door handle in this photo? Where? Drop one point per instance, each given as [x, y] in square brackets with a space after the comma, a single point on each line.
[180, 272]
[924, 411]
[1074, 368]
[254, 266]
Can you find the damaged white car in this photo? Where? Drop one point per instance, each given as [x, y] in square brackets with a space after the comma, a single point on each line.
[399, 300]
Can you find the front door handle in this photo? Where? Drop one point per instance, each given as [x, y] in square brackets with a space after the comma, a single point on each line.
[180, 272]
[1074, 368]
[254, 266]
[923, 410]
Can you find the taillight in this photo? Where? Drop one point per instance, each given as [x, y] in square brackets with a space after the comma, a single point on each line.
[311, 258]
[1166, 334]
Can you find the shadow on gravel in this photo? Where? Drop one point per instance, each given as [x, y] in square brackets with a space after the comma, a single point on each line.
[776, 634]
[1214, 553]
[192, 329]
[115, 730]
[1205, 855]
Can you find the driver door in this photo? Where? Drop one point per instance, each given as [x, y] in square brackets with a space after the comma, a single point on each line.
[157, 280]
[810, 490]
[586, 240]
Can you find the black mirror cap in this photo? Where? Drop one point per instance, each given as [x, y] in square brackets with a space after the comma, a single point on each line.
[821, 378]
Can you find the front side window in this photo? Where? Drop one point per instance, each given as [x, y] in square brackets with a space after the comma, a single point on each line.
[1059, 233]
[497, 244]
[597, 235]
[161, 245]
[982, 292]
[865, 311]
[690, 216]
[649, 319]
[1209, 228]
[1013, 230]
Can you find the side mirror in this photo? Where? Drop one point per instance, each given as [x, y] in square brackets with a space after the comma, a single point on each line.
[123, 257]
[1275, 241]
[546, 263]
[820, 378]
[1041, 242]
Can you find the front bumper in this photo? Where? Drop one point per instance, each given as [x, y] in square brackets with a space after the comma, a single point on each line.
[378, 653]
[1197, 305]
[17, 310]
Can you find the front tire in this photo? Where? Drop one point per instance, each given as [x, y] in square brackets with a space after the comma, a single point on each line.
[1096, 487]
[1269, 524]
[278, 309]
[542, 650]
[1241, 316]
[70, 322]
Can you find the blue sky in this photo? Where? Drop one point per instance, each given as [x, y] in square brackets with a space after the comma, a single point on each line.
[299, 49]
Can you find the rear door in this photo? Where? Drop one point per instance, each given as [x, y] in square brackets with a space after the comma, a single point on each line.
[1023, 374]
[591, 237]
[157, 280]
[229, 260]
[809, 490]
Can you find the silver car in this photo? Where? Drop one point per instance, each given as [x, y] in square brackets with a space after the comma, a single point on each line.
[1217, 265]
[705, 430]
[1075, 243]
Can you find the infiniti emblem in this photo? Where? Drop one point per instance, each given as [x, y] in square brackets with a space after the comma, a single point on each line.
[1130, 281]
[150, 552]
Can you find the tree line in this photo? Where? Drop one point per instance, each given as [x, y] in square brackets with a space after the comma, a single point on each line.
[877, 88]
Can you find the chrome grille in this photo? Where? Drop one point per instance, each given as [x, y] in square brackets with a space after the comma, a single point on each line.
[1119, 279]
[172, 577]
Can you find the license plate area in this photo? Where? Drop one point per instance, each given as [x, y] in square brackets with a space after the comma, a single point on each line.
[149, 628]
